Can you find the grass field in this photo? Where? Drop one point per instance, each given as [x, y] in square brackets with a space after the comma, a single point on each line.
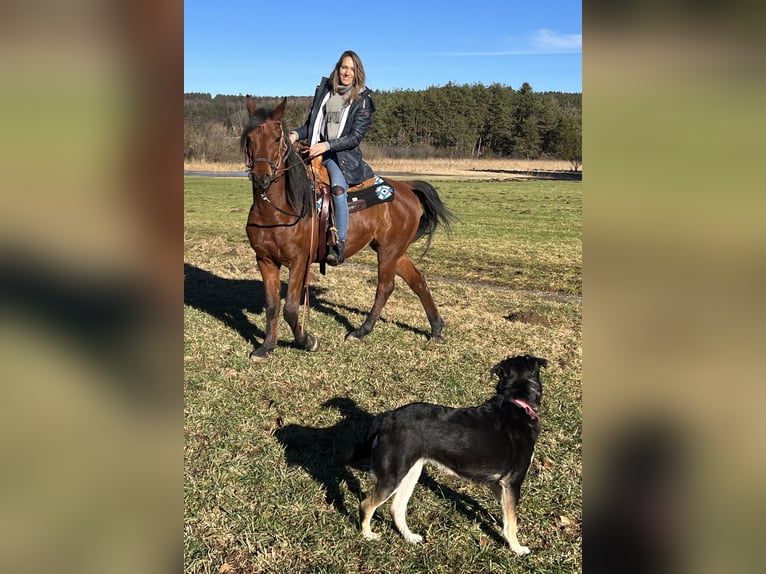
[264, 490]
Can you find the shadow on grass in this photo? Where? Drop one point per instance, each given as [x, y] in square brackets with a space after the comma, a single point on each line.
[228, 299]
[328, 453]
[331, 308]
[465, 505]
[225, 299]
[325, 452]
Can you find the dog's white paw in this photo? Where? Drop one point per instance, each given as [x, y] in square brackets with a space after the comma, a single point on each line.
[413, 538]
[520, 550]
[371, 535]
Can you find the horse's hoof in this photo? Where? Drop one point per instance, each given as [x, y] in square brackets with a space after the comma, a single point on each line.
[260, 354]
[311, 343]
[354, 336]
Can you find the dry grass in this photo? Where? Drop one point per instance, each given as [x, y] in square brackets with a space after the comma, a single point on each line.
[435, 168]
[457, 166]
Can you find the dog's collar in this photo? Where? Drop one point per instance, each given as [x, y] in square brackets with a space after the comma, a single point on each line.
[524, 405]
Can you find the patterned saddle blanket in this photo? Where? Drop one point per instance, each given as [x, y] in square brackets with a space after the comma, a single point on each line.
[366, 194]
[369, 193]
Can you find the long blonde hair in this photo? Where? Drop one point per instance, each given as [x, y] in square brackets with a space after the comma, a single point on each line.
[360, 78]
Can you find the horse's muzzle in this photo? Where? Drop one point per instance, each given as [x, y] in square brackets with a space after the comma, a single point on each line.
[262, 181]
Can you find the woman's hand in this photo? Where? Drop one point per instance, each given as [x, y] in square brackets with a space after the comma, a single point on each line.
[318, 149]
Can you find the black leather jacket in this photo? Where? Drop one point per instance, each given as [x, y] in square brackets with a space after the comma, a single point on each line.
[346, 146]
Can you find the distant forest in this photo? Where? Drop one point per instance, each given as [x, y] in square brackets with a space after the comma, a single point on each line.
[457, 121]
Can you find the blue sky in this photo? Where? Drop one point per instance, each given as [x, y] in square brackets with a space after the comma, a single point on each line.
[283, 47]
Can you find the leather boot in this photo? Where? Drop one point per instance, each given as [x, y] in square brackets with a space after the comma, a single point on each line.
[335, 255]
[339, 247]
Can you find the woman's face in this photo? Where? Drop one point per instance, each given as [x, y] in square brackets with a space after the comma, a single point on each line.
[346, 71]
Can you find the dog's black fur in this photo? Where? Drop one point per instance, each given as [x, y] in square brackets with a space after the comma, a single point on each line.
[490, 444]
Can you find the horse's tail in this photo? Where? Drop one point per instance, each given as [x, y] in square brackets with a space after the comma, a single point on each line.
[434, 212]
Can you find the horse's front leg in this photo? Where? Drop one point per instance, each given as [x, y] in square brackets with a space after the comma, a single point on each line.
[295, 290]
[271, 287]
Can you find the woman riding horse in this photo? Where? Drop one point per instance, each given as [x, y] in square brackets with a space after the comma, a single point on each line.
[283, 230]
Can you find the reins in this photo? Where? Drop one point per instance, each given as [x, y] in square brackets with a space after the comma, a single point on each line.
[312, 248]
[277, 173]
[264, 197]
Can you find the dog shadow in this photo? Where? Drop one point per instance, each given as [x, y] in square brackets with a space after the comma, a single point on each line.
[470, 508]
[325, 453]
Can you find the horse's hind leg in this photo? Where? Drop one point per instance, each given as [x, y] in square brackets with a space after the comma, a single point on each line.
[414, 277]
[386, 275]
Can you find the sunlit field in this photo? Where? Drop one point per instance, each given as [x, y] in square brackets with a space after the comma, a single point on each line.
[266, 489]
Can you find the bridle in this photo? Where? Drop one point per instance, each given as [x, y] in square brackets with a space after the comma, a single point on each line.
[276, 171]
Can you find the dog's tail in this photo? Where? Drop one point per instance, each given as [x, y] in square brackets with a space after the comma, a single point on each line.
[363, 450]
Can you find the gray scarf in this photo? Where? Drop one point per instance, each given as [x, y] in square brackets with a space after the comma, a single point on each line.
[333, 111]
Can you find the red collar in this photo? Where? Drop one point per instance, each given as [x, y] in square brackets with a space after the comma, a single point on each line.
[524, 405]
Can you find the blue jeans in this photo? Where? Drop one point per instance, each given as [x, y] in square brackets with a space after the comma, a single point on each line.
[340, 202]
[337, 179]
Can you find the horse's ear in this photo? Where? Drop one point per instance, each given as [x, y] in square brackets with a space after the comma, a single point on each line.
[279, 110]
[250, 103]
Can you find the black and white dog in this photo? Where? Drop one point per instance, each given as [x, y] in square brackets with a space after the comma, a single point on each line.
[490, 444]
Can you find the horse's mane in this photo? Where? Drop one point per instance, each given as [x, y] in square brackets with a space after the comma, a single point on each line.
[298, 186]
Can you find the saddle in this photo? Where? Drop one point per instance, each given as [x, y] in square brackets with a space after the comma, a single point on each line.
[370, 192]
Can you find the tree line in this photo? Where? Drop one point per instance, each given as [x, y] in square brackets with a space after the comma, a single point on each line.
[456, 121]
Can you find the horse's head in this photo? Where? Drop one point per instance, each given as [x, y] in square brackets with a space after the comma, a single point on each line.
[264, 144]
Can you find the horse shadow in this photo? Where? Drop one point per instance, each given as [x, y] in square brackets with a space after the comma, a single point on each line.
[225, 299]
[229, 299]
[334, 308]
[327, 455]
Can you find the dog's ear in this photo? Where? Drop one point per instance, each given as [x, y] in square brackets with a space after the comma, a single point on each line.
[540, 361]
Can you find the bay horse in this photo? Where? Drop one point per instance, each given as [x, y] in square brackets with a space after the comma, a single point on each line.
[283, 230]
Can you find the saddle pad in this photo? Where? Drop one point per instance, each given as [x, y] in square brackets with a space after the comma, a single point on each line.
[378, 192]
